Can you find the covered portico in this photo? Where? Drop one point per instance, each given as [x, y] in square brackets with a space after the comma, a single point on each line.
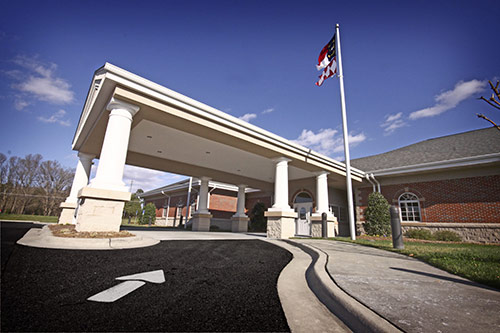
[130, 120]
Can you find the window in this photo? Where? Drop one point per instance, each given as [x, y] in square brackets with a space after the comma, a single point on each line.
[409, 206]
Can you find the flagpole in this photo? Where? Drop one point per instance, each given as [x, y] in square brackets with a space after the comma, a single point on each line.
[346, 139]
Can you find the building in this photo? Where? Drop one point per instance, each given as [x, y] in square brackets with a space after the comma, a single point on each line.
[130, 120]
[446, 183]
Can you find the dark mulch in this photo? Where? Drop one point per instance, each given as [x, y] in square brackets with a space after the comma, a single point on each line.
[211, 286]
[69, 231]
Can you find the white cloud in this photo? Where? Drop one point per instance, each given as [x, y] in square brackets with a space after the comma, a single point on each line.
[393, 122]
[20, 104]
[56, 118]
[147, 179]
[326, 141]
[267, 110]
[248, 116]
[38, 80]
[451, 98]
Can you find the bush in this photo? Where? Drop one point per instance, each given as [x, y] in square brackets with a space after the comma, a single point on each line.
[258, 221]
[377, 215]
[149, 213]
[419, 234]
[447, 236]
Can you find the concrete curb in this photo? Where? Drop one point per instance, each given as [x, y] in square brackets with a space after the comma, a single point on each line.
[43, 238]
[303, 311]
[358, 316]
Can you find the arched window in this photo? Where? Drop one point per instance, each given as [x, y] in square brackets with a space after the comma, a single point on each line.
[409, 207]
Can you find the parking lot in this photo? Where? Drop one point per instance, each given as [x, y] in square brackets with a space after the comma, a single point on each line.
[223, 285]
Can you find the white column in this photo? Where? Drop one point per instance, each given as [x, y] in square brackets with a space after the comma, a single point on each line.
[240, 210]
[322, 193]
[114, 148]
[281, 185]
[82, 175]
[203, 196]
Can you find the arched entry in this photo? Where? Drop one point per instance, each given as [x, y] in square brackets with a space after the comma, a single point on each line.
[303, 204]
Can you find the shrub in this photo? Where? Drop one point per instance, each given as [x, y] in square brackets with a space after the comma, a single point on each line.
[447, 236]
[214, 228]
[258, 221]
[378, 216]
[419, 234]
[149, 213]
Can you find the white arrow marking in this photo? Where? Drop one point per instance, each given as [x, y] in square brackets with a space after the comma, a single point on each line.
[115, 293]
[153, 277]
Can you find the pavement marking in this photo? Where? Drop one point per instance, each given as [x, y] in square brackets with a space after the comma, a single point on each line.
[123, 289]
[115, 293]
[153, 276]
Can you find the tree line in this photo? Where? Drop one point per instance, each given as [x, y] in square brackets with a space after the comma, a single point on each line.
[31, 185]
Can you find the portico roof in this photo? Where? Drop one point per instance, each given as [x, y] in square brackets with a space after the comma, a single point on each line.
[174, 133]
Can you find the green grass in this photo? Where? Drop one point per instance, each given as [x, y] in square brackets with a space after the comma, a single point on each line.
[476, 262]
[22, 217]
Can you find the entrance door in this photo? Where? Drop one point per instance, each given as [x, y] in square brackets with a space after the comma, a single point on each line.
[303, 224]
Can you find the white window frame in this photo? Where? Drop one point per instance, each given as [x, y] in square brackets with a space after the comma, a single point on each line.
[410, 211]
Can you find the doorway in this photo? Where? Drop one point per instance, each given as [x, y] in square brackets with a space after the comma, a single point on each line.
[303, 205]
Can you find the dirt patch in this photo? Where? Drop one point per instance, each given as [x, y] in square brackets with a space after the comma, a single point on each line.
[68, 231]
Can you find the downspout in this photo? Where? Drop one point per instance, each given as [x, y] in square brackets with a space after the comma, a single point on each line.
[378, 184]
[367, 176]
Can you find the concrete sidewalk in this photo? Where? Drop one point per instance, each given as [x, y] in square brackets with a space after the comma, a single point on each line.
[409, 293]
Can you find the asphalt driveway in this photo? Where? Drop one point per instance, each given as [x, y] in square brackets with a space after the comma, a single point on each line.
[210, 286]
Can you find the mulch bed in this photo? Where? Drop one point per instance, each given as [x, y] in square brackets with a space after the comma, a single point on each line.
[68, 231]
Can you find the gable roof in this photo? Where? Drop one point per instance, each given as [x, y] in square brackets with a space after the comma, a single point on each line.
[467, 146]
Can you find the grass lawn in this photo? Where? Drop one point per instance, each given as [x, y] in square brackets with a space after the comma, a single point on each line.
[22, 217]
[476, 262]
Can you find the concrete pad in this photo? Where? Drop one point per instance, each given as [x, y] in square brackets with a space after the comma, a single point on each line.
[43, 238]
[413, 295]
[303, 311]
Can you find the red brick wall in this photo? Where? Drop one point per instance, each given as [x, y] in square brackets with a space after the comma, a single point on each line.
[250, 202]
[223, 203]
[464, 200]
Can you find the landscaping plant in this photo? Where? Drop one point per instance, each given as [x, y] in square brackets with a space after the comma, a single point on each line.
[377, 215]
[258, 221]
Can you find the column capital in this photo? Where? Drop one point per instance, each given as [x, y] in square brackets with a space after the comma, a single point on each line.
[205, 179]
[280, 159]
[319, 174]
[85, 156]
[242, 185]
[117, 104]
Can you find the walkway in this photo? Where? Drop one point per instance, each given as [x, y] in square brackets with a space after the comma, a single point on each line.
[411, 294]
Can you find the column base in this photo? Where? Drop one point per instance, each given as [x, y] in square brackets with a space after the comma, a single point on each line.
[280, 224]
[67, 212]
[100, 209]
[239, 224]
[317, 226]
[201, 221]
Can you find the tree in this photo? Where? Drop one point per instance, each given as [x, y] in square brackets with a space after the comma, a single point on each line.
[494, 101]
[377, 215]
[258, 221]
[149, 214]
[133, 207]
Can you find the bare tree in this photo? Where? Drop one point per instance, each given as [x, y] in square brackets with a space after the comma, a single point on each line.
[494, 101]
[31, 186]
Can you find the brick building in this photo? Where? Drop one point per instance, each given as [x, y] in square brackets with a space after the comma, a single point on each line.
[446, 183]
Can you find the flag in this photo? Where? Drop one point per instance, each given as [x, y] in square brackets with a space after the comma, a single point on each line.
[327, 60]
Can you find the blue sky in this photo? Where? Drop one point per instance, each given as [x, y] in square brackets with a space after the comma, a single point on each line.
[413, 69]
